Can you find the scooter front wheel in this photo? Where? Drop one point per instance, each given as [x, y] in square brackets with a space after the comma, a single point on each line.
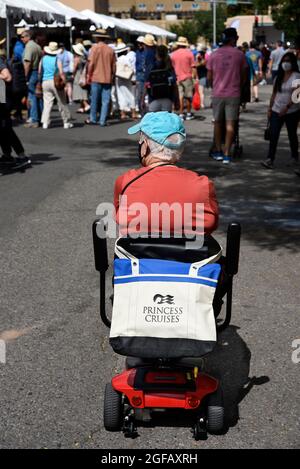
[113, 409]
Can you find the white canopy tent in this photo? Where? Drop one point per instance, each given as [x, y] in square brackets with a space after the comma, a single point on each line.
[101, 21]
[129, 25]
[145, 28]
[35, 10]
[69, 12]
[29, 10]
[52, 14]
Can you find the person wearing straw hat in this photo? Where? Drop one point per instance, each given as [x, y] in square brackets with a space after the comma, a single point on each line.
[80, 93]
[67, 61]
[150, 51]
[185, 68]
[140, 72]
[87, 45]
[101, 71]
[124, 76]
[31, 59]
[50, 66]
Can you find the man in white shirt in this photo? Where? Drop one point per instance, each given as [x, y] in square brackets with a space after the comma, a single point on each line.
[275, 58]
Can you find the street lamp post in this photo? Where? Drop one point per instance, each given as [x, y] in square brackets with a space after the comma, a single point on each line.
[214, 22]
[214, 5]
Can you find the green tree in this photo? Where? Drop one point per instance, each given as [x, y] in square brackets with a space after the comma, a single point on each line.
[201, 25]
[204, 21]
[285, 13]
[188, 29]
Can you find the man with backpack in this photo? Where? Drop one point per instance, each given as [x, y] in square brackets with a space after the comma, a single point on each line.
[31, 60]
[161, 83]
[140, 72]
[66, 59]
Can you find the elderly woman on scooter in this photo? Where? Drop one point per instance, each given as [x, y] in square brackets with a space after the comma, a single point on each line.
[170, 195]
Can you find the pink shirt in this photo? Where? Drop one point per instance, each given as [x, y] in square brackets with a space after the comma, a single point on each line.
[226, 64]
[183, 62]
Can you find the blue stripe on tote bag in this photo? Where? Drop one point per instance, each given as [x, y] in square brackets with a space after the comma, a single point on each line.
[163, 309]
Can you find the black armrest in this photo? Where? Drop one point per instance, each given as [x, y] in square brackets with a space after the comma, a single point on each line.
[100, 246]
[233, 248]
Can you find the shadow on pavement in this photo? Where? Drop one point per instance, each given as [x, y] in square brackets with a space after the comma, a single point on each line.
[266, 203]
[36, 160]
[41, 158]
[230, 363]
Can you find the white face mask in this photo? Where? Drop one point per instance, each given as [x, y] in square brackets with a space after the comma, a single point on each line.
[287, 66]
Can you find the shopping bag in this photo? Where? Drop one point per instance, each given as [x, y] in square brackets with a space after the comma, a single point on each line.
[83, 78]
[38, 90]
[162, 308]
[59, 82]
[124, 71]
[196, 103]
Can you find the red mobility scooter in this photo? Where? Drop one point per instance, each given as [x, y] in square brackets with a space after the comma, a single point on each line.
[151, 383]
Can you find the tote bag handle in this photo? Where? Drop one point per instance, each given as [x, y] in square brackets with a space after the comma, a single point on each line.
[123, 254]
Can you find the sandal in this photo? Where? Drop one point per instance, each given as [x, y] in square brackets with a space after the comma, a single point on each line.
[89, 122]
[80, 111]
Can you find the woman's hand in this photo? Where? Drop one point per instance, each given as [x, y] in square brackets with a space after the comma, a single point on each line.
[63, 77]
[269, 112]
[284, 111]
[5, 75]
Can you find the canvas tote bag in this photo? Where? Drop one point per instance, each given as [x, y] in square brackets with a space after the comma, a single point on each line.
[163, 309]
[124, 71]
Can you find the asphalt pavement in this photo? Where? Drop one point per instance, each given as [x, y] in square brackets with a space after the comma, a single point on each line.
[58, 358]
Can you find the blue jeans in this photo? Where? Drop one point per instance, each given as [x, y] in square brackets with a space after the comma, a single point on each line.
[100, 101]
[140, 86]
[274, 75]
[36, 104]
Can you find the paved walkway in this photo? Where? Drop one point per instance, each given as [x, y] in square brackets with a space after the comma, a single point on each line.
[58, 356]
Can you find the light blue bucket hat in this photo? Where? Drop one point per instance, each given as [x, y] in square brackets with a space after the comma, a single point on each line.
[159, 126]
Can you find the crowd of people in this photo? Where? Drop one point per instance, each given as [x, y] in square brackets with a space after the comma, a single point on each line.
[108, 78]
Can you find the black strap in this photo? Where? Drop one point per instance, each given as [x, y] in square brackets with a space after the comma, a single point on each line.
[143, 174]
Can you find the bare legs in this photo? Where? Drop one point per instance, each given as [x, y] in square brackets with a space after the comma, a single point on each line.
[188, 105]
[230, 128]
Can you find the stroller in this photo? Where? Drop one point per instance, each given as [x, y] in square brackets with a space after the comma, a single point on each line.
[168, 382]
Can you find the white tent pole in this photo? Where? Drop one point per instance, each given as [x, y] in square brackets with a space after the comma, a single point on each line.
[71, 37]
[214, 22]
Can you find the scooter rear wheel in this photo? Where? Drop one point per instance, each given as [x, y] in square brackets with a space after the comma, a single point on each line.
[113, 409]
[215, 411]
